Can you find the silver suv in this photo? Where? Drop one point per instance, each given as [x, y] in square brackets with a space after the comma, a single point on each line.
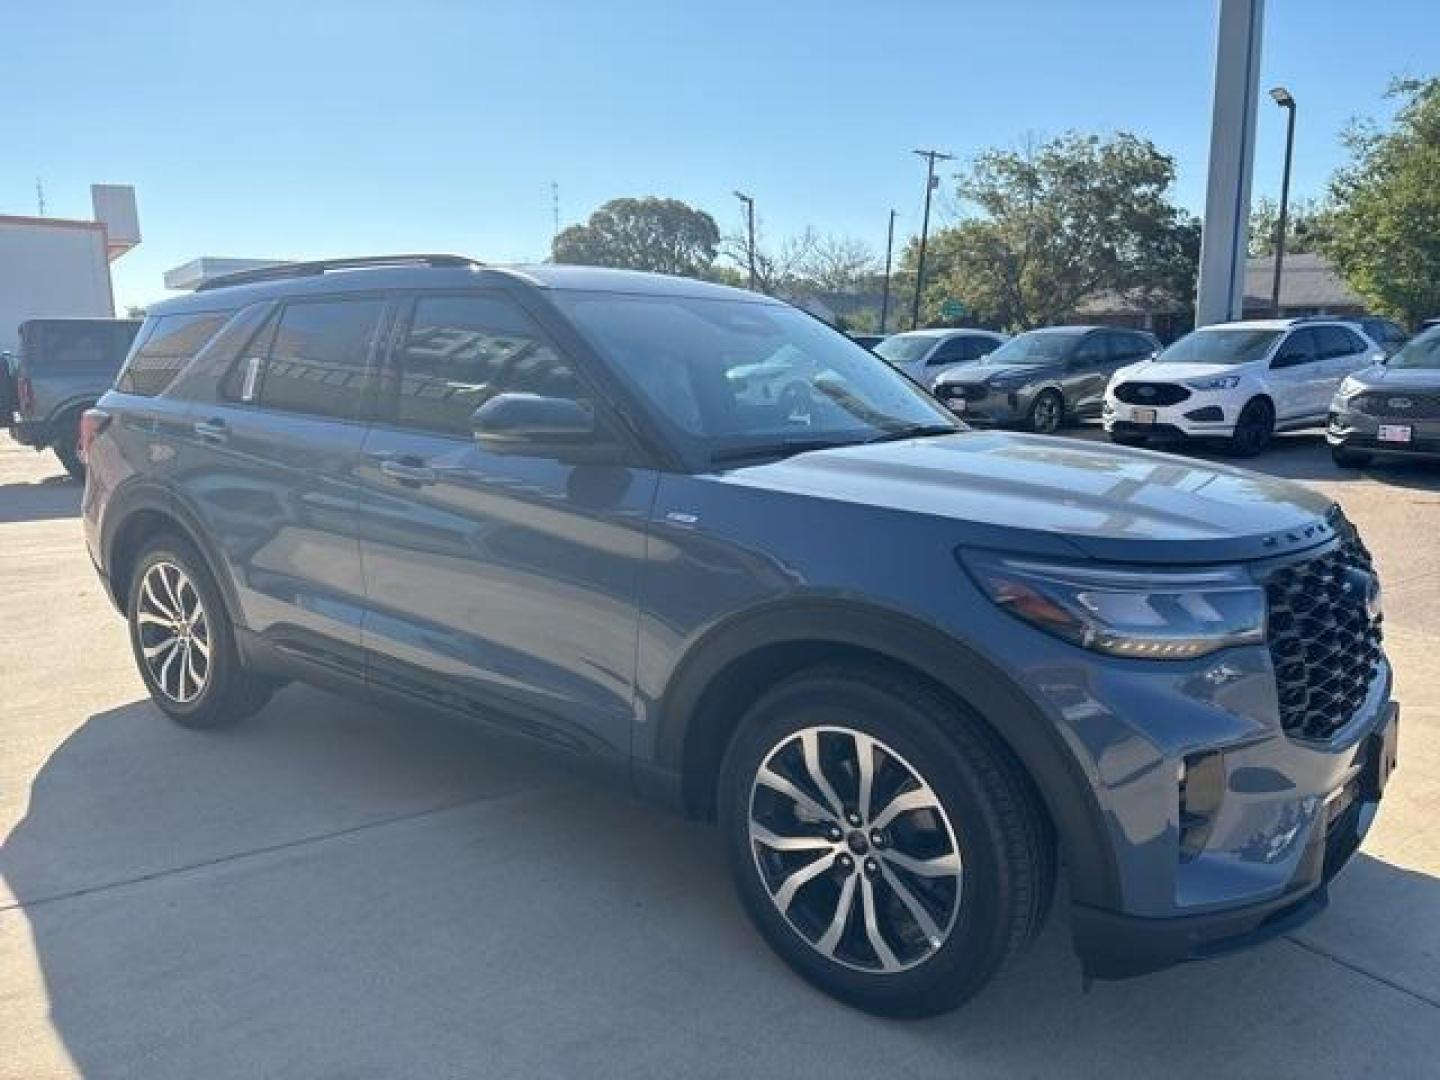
[913, 671]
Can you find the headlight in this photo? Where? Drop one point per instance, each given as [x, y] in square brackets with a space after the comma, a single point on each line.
[1220, 382]
[1349, 387]
[1157, 615]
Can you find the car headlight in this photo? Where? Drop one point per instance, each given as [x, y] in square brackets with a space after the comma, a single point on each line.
[1220, 382]
[1158, 615]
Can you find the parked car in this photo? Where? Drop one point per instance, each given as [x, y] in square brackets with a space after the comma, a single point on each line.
[1386, 333]
[1240, 381]
[1392, 407]
[533, 497]
[868, 340]
[1044, 378]
[62, 367]
[925, 355]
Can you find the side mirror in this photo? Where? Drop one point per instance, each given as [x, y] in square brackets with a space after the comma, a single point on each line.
[519, 421]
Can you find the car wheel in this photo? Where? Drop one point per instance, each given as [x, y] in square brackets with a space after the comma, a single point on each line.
[1253, 429]
[1047, 412]
[183, 643]
[884, 843]
[1349, 459]
[67, 446]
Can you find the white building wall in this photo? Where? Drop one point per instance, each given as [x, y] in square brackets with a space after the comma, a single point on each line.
[51, 270]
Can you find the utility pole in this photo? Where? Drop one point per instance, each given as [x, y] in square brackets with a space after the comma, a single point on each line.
[750, 227]
[40, 195]
[930, 156]
[555, 207]
[1286, 101]
[889, 247]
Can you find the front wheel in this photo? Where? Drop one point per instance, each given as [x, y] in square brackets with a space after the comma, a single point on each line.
[1253, 429]
[1047, 413]
[882, 841]
[182, 640]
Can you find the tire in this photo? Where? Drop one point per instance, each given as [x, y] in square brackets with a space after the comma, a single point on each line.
[67, 445]
[1349, 459]
[170, 579]
[1047, 413]
[979, 811]
[1253, 429]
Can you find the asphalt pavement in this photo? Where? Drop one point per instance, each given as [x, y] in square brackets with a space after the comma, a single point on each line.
[335, 890]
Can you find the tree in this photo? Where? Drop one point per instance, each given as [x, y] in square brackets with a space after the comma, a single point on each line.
[837, 263]
[662, 235]
[1059, 223]
[1386, 238]
[1308, 226]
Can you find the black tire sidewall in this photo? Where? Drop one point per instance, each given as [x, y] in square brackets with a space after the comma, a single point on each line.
[1059, 403]
[1251, 412]
[966, 960]
[209, 708]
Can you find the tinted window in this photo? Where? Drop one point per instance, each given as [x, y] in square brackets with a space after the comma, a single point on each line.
[170, 343]
[952, 351]
[317, 362]
[458, 352]
[1335, 341]
[1092, 350]
[1299, 348]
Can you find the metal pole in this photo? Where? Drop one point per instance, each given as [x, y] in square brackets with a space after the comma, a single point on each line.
[930, 156]
[889, 247]
[750, 228]
[1284, 207]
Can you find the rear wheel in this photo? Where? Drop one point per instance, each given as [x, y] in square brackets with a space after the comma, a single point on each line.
[183, 643]
[67, 446]
[884, 844]
[1047, 413]
[1349, 459]
[1253, 429]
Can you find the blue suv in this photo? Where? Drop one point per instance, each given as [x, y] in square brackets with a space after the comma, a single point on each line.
[693, 536]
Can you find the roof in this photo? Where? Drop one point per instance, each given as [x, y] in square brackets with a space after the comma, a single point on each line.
[217, 296]
[1307, 280]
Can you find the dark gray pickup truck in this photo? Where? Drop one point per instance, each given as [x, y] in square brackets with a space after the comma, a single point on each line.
[62, 367]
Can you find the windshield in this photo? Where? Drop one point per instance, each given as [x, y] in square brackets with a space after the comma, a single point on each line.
[1220, 347]
[1420, 352]
[732, 374]
[905, 348]
[1035, 348]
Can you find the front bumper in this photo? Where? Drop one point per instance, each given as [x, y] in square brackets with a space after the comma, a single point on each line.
[981, 404]
[1350, 429]
[1113, 945]
[1202, 414]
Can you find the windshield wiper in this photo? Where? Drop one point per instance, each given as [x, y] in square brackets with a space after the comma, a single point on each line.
[774, 450]
[913, 431]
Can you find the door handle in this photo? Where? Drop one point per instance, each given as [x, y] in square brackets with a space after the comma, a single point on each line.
[212, 430]
[410, 471]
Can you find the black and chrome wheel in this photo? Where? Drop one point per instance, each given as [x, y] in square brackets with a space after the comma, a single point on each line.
[1253, 428]
[1047, 413]
[884, 843]
[182, 640]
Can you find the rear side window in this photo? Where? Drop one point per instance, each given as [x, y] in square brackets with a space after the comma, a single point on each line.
[459, 351]
[169, 344]
[318, 360]
[1336, 341]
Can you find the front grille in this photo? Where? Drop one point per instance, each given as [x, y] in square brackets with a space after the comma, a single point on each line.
[1323, 642]
[1151, 393]
[1399, 405]
[950, 391]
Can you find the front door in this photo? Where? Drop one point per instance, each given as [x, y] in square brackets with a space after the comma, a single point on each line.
[503, 583]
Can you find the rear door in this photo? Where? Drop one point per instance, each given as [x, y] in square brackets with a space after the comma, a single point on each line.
[500, 578]
[1087, 373]
[269, 465]
[1299, 381]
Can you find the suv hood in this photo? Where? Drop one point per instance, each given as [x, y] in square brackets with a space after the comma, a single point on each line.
[1159, 371]
[1391, 378]
[1040, 495]
[981, 372]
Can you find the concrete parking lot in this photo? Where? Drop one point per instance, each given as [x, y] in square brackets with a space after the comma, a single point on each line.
[333, 890]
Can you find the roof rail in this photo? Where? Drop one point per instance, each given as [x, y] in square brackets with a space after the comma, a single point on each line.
[282, 271]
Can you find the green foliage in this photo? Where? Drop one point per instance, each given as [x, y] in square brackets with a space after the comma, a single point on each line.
[1308, 226]
[1071, 219]
[662, 235]
[1386, 238]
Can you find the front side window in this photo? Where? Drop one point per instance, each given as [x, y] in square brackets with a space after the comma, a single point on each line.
[1300, 347]
[735, 374]
[319, 359]
[170, 343]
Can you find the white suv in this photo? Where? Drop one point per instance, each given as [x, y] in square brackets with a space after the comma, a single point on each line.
[1240, 381]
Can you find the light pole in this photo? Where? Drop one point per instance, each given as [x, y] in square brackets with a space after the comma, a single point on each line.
[930, 156]
[750, 228]
[1286, 101]
[885, 296]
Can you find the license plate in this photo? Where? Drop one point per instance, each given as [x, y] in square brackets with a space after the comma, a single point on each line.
[1384, 754]
[1395, 433]
[957, 405]
[1143, 416]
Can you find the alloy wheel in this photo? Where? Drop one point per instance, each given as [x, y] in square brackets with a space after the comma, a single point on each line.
[855, 849]
[1046, 415]
[174, 632]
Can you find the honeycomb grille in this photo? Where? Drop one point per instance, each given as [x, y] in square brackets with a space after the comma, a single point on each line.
[1324, 644]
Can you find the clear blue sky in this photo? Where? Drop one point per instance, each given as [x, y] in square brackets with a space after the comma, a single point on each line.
[317, 127]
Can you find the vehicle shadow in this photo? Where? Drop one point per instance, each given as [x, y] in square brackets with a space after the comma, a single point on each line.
[40, 500]
[334, 890]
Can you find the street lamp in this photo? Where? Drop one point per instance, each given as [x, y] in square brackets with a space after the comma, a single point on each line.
[1286, 101]
[750, 226]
